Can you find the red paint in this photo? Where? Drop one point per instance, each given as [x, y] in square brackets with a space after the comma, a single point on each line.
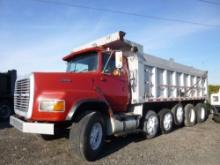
[75, 87]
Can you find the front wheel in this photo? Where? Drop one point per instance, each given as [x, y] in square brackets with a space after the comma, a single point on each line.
[5, 111]
[87, 136]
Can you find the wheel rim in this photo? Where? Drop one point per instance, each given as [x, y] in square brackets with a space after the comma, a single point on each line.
[152, 125]
[192, 115]
[202, 113]
[179, 114]
[4, 111]
[167, 121]
[96, 136]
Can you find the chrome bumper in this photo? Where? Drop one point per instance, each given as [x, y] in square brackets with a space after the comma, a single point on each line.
[28, 127]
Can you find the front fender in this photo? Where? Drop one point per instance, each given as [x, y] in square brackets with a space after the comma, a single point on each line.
[88, 104]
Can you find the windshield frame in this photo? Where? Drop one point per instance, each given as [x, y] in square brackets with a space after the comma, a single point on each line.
[80, 57]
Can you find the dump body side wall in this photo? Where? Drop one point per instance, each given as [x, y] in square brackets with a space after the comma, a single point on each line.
[157, 80]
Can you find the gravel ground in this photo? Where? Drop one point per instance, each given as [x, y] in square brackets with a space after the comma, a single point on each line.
[193, 145]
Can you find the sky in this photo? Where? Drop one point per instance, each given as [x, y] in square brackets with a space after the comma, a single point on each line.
[34, 35]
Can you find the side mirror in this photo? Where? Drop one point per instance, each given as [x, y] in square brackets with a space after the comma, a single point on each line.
[118, 59]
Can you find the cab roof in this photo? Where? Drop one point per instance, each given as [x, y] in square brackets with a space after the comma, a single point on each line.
[73, 54]
[114, 41]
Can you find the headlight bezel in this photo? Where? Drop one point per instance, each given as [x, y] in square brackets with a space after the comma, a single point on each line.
[51, 105]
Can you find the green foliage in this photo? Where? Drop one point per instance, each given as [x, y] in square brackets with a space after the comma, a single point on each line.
[213, 88]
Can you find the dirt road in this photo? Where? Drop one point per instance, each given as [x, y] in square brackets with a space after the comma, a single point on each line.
[188, 146]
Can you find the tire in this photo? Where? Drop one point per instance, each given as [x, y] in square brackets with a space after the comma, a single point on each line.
[216, 114]
[178, 114]
[5, 111]
[150, 125]
[216, 117]
[47, 137]
[189, 115]
[166, 121]
[81, 141]
[201, 112]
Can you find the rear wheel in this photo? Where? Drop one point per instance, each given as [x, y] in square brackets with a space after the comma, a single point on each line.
[166, 120]
[178, 114]
[216, 114]
[189, 115]
[87, 136]
[151, 124]
[201, 112]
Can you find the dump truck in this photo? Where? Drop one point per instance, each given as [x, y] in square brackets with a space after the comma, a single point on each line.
[215, 103]
[110, 87]
[7, 85]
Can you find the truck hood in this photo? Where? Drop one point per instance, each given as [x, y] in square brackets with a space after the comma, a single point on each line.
[70, 87]
[63, 81]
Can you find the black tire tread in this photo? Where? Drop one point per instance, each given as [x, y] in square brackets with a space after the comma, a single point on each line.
[198, 108]
[161, 116]
[187, 121]
[5, 103]
[216, 117]
[78, 136]
[173, 110]
[148, 114]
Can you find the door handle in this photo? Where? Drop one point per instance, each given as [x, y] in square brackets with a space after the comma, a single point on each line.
[103, 79]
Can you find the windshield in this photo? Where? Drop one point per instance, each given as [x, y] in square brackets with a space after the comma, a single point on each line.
[86, 62]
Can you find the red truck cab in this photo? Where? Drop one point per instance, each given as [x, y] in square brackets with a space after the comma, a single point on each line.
[88, 79]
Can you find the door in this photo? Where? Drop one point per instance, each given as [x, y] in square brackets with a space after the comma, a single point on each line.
[114, 86]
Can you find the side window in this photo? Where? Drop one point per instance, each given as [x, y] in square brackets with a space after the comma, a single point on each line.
[125, 67]
[111, 64]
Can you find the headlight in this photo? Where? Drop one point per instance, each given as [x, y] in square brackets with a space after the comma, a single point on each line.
[52, 105]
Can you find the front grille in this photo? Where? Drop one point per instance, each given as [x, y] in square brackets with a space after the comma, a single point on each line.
[22, 95]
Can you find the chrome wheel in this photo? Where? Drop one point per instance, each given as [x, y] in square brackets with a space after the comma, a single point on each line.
[96, 136]
[168, 121]
[203, 113]
[192, 115]
[179, 114]
[152, 125]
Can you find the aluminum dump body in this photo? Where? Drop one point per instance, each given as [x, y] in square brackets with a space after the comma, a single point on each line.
[154, 79]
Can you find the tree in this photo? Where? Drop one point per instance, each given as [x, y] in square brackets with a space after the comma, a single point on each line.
[213, 88]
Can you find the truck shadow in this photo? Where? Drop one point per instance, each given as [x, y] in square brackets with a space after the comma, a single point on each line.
[58, 135]
[114, 144]
[4, 124]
